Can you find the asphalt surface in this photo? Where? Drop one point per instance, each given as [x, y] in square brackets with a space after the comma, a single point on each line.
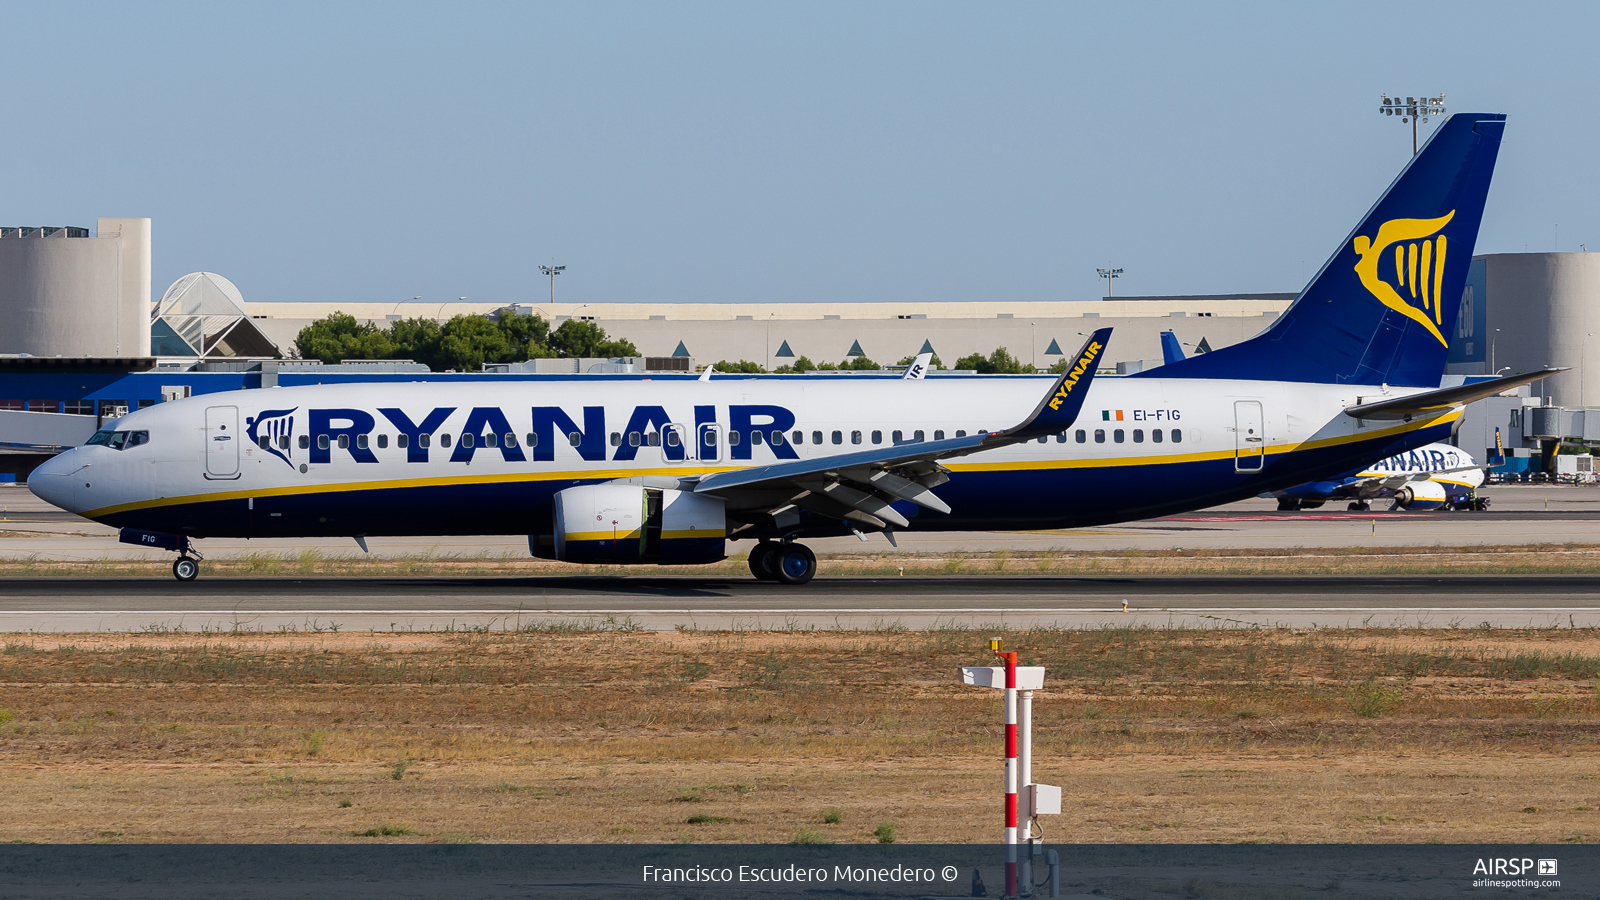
[400, 604]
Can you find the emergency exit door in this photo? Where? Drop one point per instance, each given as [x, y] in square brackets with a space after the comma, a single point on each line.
[222, 442]
[1249, 437]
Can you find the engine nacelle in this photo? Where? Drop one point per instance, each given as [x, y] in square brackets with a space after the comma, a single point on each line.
[1420, 495]
[627, 524]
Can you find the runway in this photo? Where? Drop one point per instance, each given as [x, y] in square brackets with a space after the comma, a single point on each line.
[664, 604]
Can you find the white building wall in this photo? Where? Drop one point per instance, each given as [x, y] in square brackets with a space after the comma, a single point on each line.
[76, 297]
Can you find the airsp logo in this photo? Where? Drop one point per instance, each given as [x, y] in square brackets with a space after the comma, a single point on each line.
[1418, 257]
[1503, 866]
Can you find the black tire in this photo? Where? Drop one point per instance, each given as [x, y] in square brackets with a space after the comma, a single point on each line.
[1312, 504]
[185, 569]
[763, 564]
[1480, 504]
[794, 564]
[1288, 504]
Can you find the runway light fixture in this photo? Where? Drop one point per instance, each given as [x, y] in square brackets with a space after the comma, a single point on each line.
[1110, 275]
[1411, 109]
[552, 271]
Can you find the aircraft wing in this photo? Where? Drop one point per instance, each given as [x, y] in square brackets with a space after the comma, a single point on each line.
[1428, 402]
[860, 487]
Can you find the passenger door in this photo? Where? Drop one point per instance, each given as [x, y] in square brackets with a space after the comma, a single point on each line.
[1249, 436]
[222, 442]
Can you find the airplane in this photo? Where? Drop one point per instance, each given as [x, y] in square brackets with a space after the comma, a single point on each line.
[668, 470]
[1431, 477]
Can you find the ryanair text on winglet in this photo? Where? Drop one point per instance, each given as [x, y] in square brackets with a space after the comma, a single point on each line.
[1078, 368]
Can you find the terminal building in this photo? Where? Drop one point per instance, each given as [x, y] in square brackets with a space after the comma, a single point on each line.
[83, 342]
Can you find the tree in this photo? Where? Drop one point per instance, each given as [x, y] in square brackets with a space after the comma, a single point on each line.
[742, 367]
[1000, 362]
[576, 338]
[798, 367]
[467, 342]
[339, 337]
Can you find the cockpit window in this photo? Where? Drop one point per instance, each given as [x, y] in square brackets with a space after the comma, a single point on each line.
[119, 440]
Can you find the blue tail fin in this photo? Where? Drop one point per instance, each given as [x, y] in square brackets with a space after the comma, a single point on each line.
[1171, 350]
[1382, 309]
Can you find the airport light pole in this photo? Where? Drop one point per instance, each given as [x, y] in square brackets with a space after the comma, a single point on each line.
[1492, 342]
[1110, 275]
[552, 271]
[1411, 109]
[440, 311]
[397, 305]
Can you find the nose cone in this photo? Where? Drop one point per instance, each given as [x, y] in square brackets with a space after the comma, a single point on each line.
[52, 483]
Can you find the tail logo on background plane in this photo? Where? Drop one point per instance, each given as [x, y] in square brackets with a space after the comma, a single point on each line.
[1418, 268]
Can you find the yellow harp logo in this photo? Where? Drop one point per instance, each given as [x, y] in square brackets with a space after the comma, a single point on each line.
[1418, 268]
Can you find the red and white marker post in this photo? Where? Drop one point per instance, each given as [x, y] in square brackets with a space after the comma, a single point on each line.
[1023, 799]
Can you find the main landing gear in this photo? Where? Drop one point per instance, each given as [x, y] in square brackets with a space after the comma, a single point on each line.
[785, 563]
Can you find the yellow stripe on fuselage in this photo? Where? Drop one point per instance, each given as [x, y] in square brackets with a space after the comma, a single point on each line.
[683, 470]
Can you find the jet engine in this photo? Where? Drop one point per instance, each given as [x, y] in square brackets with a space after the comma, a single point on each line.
[627, 524]
[1420, 495]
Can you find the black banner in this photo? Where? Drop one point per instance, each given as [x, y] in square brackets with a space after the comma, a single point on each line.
[1192, 872]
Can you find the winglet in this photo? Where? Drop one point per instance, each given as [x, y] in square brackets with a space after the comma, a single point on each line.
[706, 375]
[1171, 350]
[918, 368]
[1059, 408]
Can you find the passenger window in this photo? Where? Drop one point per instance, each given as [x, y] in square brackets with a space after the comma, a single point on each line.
[575, 438]
[877, 437]
[1044, 438]
[799, 437]
[344, 442]
[938, 435]
[961, 433]
[1138, 435]
[838, 437]
[1099, 435]
[1117, 436]
[533, 439]
[733, 438]
[511, 439]
[283, 442]
[1177, 435]
[633, 439]
[816, 437]
[777, 439]
[322, 442]
[466, 441]
[263, 441]
[916, 436]
[653, 438]
[616, 439]
[855, 437]
[710, 438]
[491, 439]
[383, 441]
[1080, 435]
[305, 441]
[444, 440]
[1155, 435]
[672, 438]
[424, 440]
[897, 437]
[755, 438]
[361, 441]
[402, 441]
[1061, 438]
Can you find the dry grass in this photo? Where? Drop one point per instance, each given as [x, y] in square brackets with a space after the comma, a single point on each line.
[549, 736]
[1544, 558]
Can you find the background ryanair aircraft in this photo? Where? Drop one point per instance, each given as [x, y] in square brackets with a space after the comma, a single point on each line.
[1432, 477]
[667, 470]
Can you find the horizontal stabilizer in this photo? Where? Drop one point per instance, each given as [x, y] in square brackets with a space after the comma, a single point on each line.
[1427, 402]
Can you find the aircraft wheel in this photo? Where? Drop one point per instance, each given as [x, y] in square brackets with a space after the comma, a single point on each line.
[1311, 504]
[1360, 506]
[763, 562]
[1288, 504]
[186, 569]
[795, 564]
[1480, 503]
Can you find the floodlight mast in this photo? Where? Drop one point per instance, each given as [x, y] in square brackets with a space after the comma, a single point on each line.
[1110, 275]
[552, 271]
[1411, 109]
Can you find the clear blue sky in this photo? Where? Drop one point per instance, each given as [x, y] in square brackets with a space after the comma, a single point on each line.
[349, 152]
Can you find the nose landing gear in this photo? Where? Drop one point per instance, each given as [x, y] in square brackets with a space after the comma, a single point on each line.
[185, 568]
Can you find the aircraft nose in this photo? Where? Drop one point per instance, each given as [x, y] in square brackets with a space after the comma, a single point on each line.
[51, 482]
